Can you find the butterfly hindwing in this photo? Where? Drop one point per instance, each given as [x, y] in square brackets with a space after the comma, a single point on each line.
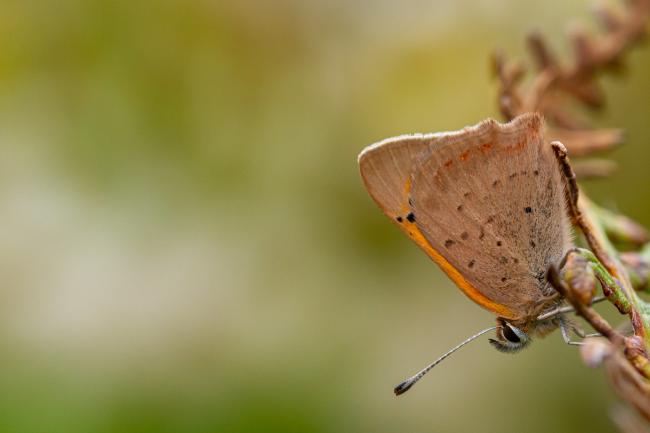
[491, 201]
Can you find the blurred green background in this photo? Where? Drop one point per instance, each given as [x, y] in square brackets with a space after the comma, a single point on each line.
[187, 245]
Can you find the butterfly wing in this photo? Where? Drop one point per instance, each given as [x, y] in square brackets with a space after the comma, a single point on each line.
[413, 181]
[490, 199]
[386, 168]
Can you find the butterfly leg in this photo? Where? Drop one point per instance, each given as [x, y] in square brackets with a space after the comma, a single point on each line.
[565, 335]
[564, 329]
[567, 325]
[579, 331]
[567, 309]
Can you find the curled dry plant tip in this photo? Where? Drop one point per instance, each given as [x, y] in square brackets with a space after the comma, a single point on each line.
[558, 88]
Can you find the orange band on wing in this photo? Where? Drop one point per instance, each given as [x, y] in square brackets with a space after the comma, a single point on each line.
[453, 273]
[472, 292]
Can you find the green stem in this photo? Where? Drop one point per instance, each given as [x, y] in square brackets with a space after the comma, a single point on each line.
[626, 301]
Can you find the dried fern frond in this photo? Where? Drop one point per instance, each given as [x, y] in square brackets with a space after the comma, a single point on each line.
[558, 90]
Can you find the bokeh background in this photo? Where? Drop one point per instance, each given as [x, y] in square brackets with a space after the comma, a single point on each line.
[186, 245]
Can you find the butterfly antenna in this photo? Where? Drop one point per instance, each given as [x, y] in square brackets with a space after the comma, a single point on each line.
[408, 383]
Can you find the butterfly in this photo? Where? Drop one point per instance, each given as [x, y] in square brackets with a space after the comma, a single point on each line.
[487, 205]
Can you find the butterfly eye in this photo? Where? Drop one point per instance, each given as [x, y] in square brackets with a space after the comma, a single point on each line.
[510, 338]
[512, 334]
